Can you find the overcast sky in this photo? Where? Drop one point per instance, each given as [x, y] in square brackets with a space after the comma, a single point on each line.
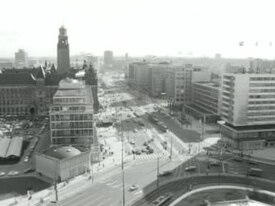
[140, 27]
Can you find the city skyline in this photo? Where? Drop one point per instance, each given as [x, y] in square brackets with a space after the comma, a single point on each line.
[173, 28]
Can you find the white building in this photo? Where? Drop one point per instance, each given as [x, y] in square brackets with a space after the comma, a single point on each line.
[61, 163]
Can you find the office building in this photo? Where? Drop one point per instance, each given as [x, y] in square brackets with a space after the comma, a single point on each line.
[21, 59]
[108, 58]
[206, 101]
[261, 66]
[172, 82]
[26, 92]
[61, 163]
[71, 116]
[63, 52]
[247, 107]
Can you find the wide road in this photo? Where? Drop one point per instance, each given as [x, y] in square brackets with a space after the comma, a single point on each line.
[107, 188]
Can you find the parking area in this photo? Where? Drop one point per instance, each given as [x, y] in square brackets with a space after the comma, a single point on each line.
[31, 131]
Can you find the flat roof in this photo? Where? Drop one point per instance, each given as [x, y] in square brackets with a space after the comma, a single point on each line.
[10, 147]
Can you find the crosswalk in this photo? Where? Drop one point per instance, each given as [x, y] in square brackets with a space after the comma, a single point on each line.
[146, 157]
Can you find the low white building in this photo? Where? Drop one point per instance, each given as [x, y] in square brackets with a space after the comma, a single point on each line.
[61, 163]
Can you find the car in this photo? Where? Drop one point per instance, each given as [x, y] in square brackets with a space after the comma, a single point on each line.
[2, 173]
[29, 170]
[165, 173]
[133, 187]
[26, 159]
[138, 152]
[13, 173]
[238, 159]
[214, 163]
[144, 149]
[132, 142]
[251, 162]
[135, 130]
[191, 168]
[145, 143]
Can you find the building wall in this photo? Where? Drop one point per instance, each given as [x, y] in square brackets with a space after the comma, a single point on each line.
[71, 116]
[19, 99]
[248, 99]
[62, 169]
[206, 95]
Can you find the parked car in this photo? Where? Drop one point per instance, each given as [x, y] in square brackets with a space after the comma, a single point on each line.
[13, 173]
[237, 159]
[2, 173]
[214, 163]
[26, 159]
[191, 168]
[29, 170]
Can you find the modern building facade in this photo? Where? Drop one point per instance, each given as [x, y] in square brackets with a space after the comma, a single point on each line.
[173, 82]
[61, 163]
[63, 52]
[25, 92]
[247, 107]
[71, 115]
[21, 59]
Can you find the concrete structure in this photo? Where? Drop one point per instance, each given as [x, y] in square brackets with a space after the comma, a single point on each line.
[247, 106]
[71, 116]
[27, 91]
[63, 53]
[173, 82]
[206, 101]
[21, 59]
[61, 163]
[108, 57]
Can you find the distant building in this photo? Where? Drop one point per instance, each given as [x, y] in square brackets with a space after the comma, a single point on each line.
[6, 65]
[21, 59]
[261, 66]
[26, 92]
[61, 163]
[108, 61]
[71, 116]
[229, 68]
[63, 53]
[218, 56]
[247, 106]
[166, 80]
[206, 101]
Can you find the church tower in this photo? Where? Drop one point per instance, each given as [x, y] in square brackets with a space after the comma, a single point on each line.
[63, 54]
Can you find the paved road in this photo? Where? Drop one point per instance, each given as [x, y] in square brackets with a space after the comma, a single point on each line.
[180, 187]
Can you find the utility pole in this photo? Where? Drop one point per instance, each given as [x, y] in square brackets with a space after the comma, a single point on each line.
[122, 166]
[171, 145]
[158, 175]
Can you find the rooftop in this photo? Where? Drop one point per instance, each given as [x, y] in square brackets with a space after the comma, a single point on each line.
[62, 152]
[251, 127]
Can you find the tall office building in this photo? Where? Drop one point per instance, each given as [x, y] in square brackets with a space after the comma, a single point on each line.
[108, 58]
[63, 53]
[21, 59]
[71, 115]
[247, 106]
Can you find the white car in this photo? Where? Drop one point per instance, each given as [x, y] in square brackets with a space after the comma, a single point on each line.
[26, 159]
[13, 173]
[190, 168]
[133, 187]
[2, 173]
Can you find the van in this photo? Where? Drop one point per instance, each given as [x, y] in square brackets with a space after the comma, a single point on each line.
[255, 172]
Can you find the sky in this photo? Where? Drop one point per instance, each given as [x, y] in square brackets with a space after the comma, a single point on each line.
[140, 27]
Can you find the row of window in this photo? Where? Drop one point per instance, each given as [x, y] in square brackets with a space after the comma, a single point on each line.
[77, 132]
[61, 125]
[269, 96]
[262, 78]
[262, 84]
[71, 117]
[261, 90]
[261, 102]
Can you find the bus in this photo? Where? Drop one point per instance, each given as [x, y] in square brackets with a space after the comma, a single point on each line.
[255, 172]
